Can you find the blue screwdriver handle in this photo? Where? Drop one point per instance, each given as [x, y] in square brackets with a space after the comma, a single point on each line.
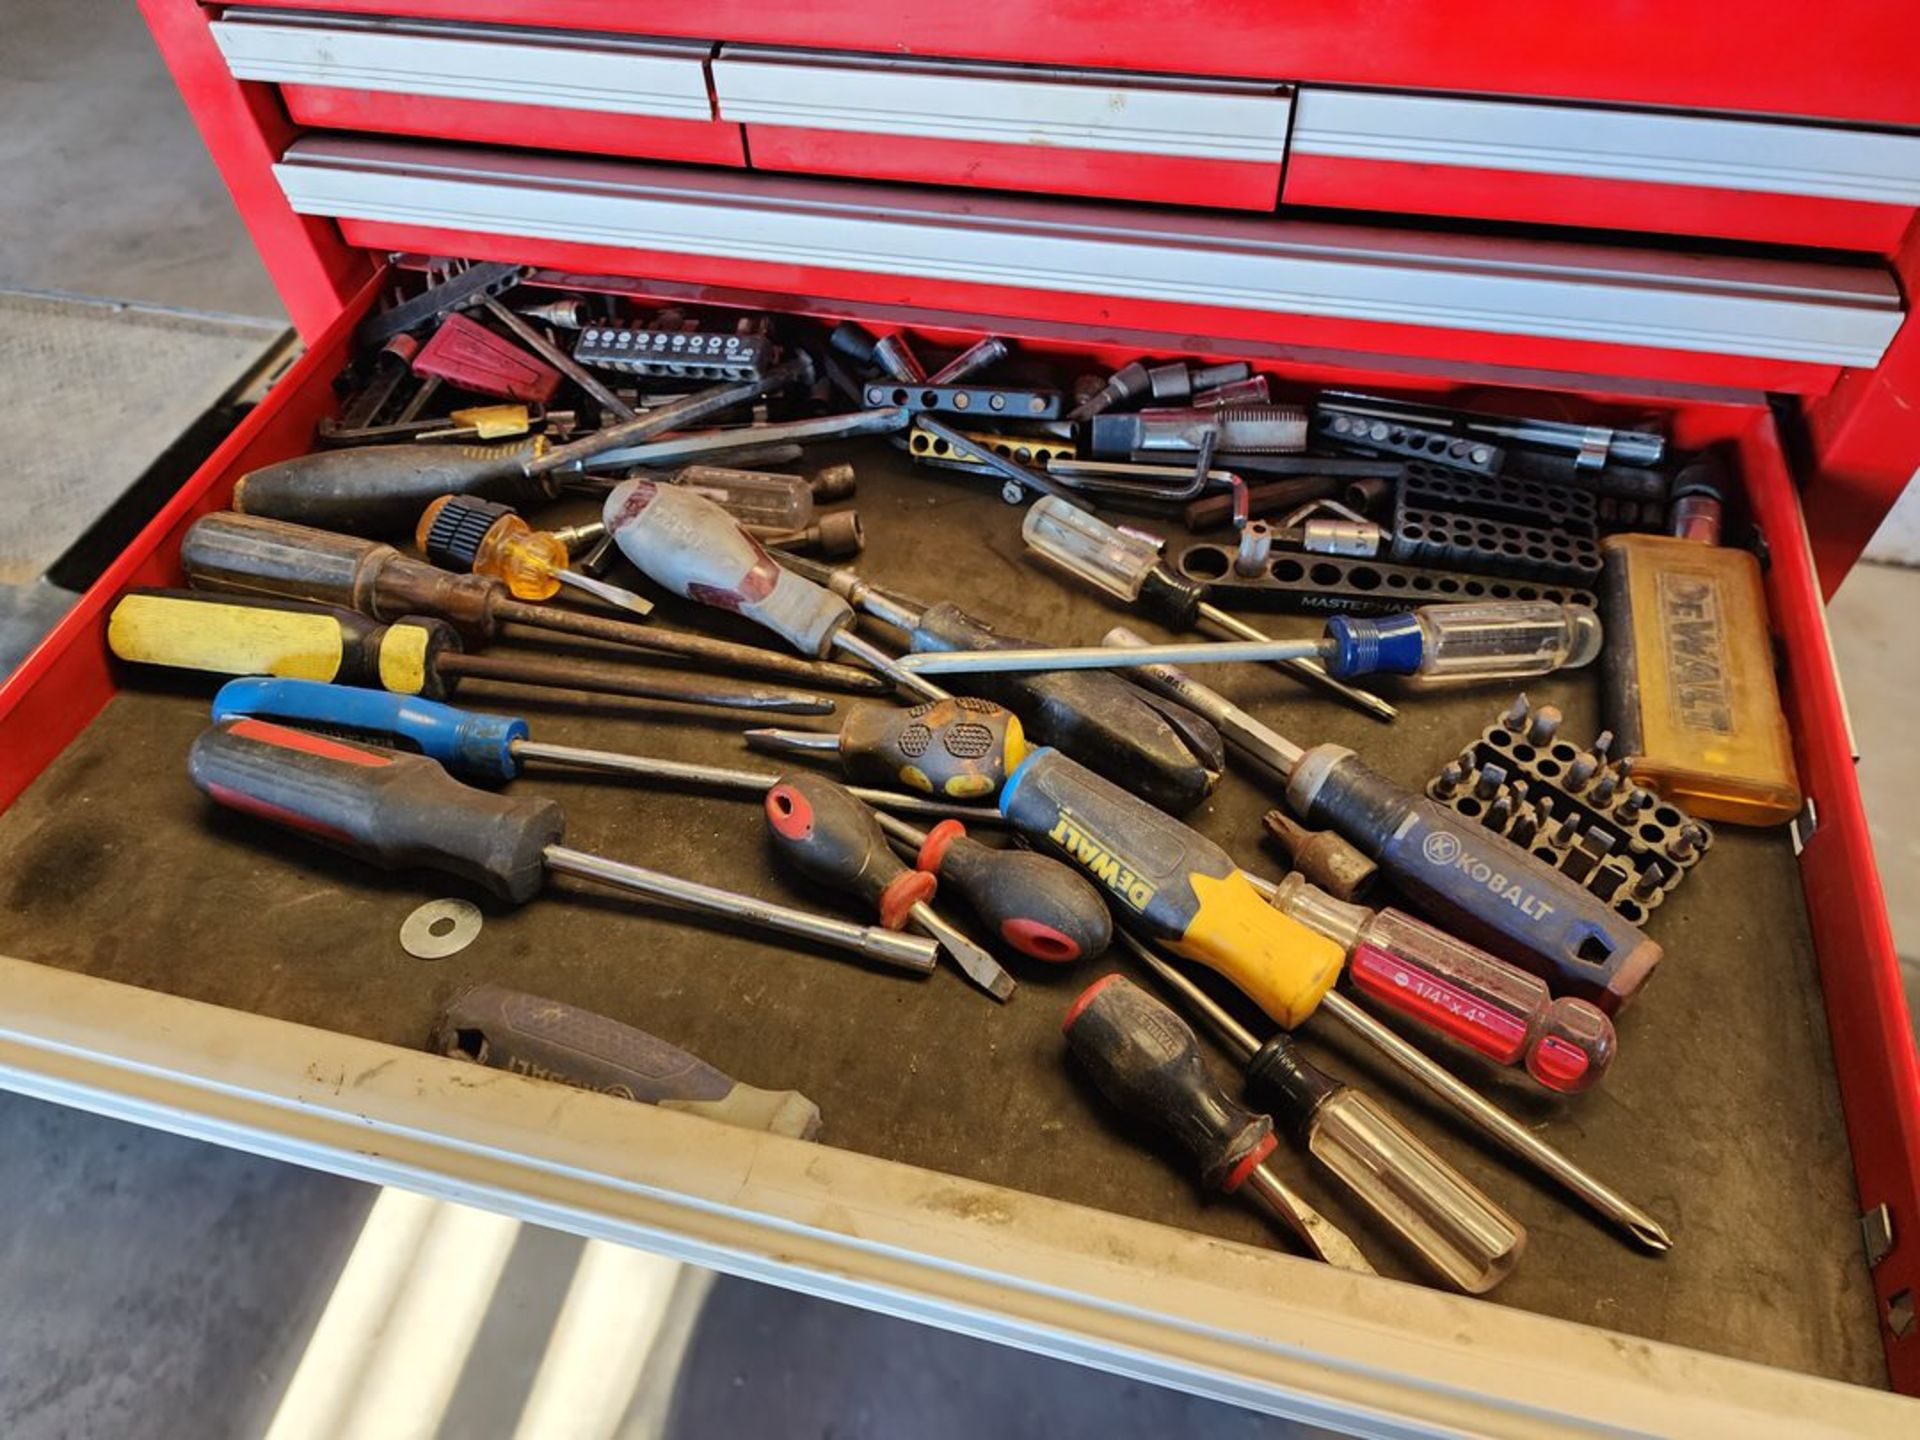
[470, 744]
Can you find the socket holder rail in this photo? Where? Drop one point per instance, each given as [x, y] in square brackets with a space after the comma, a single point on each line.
[1495, 524]
[1034, 450]
[1333, 429]
[1574, 809]
[966, 400]
[1325, 584]
[708, 356]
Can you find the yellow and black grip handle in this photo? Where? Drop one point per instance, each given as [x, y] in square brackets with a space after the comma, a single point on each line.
[959, 747]
[398, 811]
[831, 836]
[237, 635]
[1172, 885]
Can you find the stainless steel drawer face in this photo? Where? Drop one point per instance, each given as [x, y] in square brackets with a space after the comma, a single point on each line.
[1830, 314]
[557, 69]
[1667, 149]
[1003, 104]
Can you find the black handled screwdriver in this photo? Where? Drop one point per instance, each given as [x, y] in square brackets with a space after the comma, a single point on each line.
[404, 812]
[960, 748]
[831, 837]
[233, 635]
[1148, 1064]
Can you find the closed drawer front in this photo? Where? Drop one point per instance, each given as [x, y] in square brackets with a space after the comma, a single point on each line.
[1580, 165]
[1080, 132]
[504, 85]
[715, 227]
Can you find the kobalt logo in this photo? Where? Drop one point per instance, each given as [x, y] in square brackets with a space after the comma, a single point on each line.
[1445, 850]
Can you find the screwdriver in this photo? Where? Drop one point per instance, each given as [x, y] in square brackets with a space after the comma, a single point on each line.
[464, 532]
[529, 1035]
[404, 812]
[474, 745]
[1129, 568]
[1171, 885]
[1479, 885]
[831, 837]
[1149, 1065]
[1037, 905]
[687, 543]
[1163, 750]
[1463, 1236]
[238, 635]
[961, 748]
[381, 490]
[242, 554]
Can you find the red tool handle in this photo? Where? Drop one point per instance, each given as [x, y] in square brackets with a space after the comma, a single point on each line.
[1468, 995]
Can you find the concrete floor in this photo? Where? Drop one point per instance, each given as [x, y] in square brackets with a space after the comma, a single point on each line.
[154, 1286]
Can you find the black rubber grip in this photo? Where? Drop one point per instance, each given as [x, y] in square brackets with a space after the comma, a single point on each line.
[1099, 719]
[1146, 1061]
[459, 528]
[381, 489]
[1036, 904]
[397, 811]
[1287, 1083]
[832, 837]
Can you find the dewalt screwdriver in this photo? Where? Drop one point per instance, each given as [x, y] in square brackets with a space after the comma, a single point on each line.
[236, 635]
[1032, 902]
[464, 532]
[1443, 1217]
[1148, 1064]
[1479, 885]
[1161, 749]
[829, 836]
[1171, 885]
[404, 812]
[244, 555]
[381, 490]
[961, 748]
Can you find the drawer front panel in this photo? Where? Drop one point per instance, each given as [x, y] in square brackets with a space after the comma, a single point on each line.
[1070, 132]
[549, 89]
[1679, 174]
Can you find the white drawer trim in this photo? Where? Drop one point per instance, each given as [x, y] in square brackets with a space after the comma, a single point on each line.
[1843, 315]
[1754, 155]
[1003, 104]
[551, 68]
[1252, 1327]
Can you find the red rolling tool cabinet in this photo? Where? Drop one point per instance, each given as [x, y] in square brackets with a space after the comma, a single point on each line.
[1698, 212]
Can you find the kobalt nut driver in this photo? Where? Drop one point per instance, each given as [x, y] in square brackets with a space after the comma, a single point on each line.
[245, 555]
[1448, 1223]
[691, 546]
[404, 812]
[235, 635]
[381, 490]
[475, 745]
[1148, 1064]
[464, 532]
[830, 836]
[550, 1040]
[1480, 886]
[961, 748]
[1128, 567]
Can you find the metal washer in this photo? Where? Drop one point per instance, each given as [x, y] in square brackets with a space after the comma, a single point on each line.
[419, 939]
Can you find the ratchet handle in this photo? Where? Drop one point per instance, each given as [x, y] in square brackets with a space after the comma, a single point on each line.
[1482, 1002]
[396, 811]
[549, 1040]
[693, 547]
[1037, 905]
[831, 836]
[1098, 718]
[471, 745]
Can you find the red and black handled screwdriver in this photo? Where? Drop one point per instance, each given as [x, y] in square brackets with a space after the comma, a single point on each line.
[404, 812]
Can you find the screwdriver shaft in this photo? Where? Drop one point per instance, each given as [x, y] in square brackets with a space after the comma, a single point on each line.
[887, 665]
[1310, 672]
[600, 590]
[1320, 1235]
[975, 963]
[753, 782]
[909, 952]
[605, 679]
[1096, 657]
[1252, 738]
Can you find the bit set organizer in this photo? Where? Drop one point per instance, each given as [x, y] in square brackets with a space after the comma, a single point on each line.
[1575, 809]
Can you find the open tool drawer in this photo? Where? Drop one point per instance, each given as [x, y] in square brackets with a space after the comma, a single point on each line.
[186, 968]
